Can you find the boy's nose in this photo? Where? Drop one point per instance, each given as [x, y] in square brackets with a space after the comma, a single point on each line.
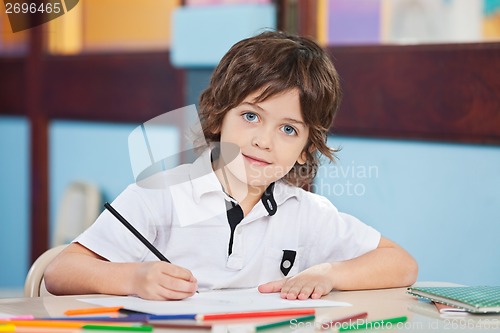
[263, 139]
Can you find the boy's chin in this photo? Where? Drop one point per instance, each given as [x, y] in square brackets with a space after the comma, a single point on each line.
[260, 183]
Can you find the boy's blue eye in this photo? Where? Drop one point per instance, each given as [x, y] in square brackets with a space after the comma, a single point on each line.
[289, 130]
[250, 117]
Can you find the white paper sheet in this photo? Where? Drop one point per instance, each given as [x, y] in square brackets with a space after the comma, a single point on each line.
[218, 301]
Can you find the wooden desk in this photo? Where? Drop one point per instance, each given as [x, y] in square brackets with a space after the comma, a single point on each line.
[380, 304]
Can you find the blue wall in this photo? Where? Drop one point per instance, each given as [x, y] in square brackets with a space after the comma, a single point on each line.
[14, 200]
[90, 152]
[440, 201]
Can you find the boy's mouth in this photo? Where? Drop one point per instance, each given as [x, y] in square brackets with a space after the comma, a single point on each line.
[256, 160]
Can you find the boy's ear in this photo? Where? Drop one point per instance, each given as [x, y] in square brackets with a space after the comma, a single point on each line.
[303, 156]
[215, 131]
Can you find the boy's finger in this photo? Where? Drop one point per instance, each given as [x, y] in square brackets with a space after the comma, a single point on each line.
[178, 272]
[179, 285]
[272, 287]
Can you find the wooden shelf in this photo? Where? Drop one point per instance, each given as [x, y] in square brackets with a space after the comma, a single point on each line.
[447, 92]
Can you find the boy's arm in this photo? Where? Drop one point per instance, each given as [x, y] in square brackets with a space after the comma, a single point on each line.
[388, 266]
[77, 270]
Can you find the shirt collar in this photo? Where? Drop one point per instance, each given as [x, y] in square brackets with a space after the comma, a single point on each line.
[203, 181]
[283, 191]
[202, 177]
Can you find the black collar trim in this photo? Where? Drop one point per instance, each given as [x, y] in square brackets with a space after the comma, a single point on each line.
[268, 200]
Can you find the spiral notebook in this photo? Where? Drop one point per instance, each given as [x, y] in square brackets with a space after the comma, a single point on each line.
[475, 299]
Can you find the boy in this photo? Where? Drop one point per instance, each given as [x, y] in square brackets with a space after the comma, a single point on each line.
[273, 97]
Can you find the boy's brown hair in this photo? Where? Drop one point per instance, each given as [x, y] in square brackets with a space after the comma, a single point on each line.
[276, 62]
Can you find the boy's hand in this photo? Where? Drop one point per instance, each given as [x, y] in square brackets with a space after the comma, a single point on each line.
[313, 282]
[162, 281]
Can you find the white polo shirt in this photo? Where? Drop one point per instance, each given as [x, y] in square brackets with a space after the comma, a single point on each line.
[182, 212]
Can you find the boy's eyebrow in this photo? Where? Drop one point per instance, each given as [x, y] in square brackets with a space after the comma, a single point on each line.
[295, 121]
[289, 120]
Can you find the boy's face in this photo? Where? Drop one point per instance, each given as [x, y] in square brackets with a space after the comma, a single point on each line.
[271, 136]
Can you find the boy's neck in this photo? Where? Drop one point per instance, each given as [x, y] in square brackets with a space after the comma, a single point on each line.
[246, 195]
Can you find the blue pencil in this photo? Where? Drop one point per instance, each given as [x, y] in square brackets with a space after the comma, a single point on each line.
[173, 317]
[130, 318]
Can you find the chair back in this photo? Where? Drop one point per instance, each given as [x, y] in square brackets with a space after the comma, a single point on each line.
[79, 208]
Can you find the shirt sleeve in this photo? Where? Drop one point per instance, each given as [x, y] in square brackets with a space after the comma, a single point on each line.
[340, 236]
[110, 239]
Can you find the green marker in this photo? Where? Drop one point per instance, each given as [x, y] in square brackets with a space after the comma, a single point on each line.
[284, 323]
[142, 328]
[382, 323]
